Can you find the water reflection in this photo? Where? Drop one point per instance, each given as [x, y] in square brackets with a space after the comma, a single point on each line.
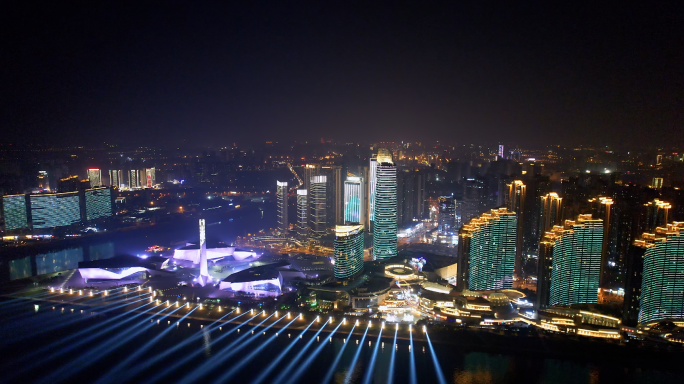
[58, 261]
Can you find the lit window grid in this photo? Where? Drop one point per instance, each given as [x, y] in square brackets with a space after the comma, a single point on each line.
[281, 192]
[14, 210]
[576, 265]
[98, 203]
[348, 254]
[662, 287]
[318, 205]
[492, 254]
[49, 211]
[385, 223]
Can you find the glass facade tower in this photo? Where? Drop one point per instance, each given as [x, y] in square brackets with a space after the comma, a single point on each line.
[98, 202]
[487, 250]
[318, 206]
[348, 251]
[302, 216]
[281, 194]
[385, 217]
[354, 204]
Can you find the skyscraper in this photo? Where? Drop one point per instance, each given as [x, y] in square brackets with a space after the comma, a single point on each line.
[601, 208]
[570, 263]
[115, 178]
[348, 251]
[447, 214]
[371, 186]
[354, 204]
[318, 203]
[281, 194]
[385, 223]
[134, 179]
[302, 214]
[487, 251]
[662, 287]
[95, 177]
[516, 203]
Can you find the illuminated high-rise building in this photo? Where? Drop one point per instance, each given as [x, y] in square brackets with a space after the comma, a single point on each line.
[655, 214]
[354, 204]
[95, 177]
[55, 210]
[501, 152]
[371, 186]
[661, 294]
[302, 214]
[134, 179]
[602, 209]
[550, 213]
[447, 214]
[115, 178]
[385, 217]
[150, 177]
[515, 201]
[281, 194]
[486, 251]
[570, 263]
[98, 203]
[348, 251]
[15, 212]
[318, 206]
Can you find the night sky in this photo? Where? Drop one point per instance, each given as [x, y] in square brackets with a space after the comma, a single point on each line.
[190, 74]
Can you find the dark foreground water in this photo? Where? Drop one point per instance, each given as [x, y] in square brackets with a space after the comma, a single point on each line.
[45, 345]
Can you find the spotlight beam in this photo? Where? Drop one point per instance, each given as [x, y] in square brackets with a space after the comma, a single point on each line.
[84, 332]
[280, 356]
[143, 349]
[413, 378]
[66, 323]
[283, 373]
[369, 372]
[95, 354]
[230, 350]
[237, 367]
[192, 355]
[132, 371]
[299, 372]
[347, 379]
[390, 372]
[331, 370]
[438, 367]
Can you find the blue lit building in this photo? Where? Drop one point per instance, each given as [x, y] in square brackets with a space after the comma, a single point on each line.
[354, 204]
[15, 212]
[385, 217]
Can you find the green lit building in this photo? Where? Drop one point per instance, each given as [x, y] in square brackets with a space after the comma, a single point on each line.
[570, 263]
[487, 251]
[385, 206]
[348, 251]
[662, 285]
